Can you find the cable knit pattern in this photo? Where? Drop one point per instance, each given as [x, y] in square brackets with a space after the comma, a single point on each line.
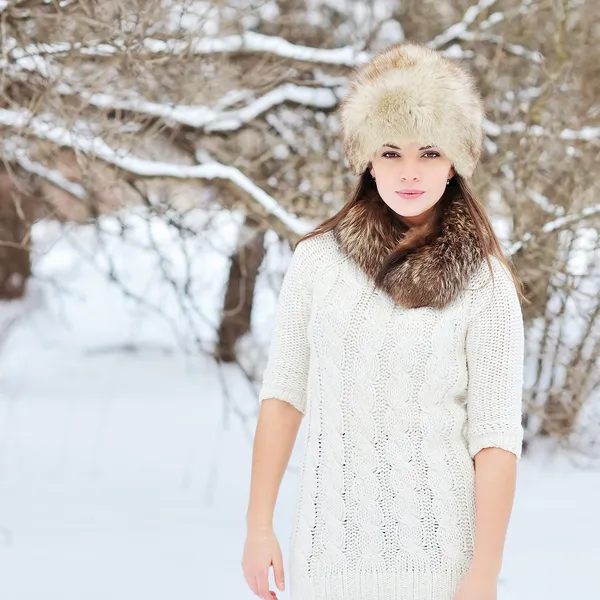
[398, 402]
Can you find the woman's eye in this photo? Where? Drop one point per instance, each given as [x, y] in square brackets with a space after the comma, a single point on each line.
[394, 154]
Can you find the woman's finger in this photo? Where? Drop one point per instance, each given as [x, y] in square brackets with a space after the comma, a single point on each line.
[262, 580]
[278, 570]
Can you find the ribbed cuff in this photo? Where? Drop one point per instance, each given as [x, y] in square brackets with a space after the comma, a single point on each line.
[297, 398]
[511, 440]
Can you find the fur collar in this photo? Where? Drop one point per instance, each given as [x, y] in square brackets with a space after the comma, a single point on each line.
[432, 268]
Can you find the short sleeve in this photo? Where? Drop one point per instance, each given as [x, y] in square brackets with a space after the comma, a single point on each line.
[495, 355]
[286, 374]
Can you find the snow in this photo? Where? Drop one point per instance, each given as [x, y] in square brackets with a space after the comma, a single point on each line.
[461, 31]
[13, 150]
[492, 20]
[588, 211]
[250, 41]
[316, 97]
[81, 137]
[206, 117]
[200, 17]
[390, 32]
[516, 49]
[586, 134]
[122, 474]
[458, 29]
[554, 224]
[193, 116]
[544, 202]
[567, 341]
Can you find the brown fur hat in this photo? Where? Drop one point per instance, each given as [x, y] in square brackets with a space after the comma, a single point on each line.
[411, 91]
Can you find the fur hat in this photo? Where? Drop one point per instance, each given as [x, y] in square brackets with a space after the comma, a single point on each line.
[410, 91]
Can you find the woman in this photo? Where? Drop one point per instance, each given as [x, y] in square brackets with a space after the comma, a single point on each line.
[399, 335]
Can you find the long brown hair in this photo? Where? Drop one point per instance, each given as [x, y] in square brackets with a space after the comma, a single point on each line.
[365, 190]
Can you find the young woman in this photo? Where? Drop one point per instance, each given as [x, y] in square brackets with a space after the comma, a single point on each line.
[399, 336]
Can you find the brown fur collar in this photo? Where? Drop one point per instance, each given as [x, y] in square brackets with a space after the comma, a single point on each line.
[431, 265]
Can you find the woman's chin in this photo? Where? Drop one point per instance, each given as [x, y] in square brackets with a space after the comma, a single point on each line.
[409, 208]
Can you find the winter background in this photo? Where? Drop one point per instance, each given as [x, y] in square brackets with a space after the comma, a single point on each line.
[120, 477]
[125, 448]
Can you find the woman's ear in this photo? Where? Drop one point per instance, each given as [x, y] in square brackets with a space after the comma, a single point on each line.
[452, 173]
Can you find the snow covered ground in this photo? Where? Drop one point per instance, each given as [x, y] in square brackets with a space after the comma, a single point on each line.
[123, 477]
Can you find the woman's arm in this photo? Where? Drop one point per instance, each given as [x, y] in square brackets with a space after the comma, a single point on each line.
[495, 355]
[276, 432]
[283, 391]
[495, 348]
[283, 398]
[495, 483]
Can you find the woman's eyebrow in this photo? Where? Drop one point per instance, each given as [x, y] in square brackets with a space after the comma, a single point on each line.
[398, 147]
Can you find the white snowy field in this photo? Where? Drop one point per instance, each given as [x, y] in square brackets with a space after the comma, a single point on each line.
[123, 477]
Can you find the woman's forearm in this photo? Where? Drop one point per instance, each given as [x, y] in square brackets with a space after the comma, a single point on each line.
[495, 483]
[276, 432]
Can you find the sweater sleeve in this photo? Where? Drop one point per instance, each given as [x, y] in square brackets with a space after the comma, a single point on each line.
[286, 374]
[495, 355]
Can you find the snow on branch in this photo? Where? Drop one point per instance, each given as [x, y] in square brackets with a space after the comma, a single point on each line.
[585, 134]
[544, 203]
[97, 48]
[456, 30]
[516, 49]
[307, 96]
[82, 138]
[246, 42]
[554, 225]
[460, 31]
[13, 151]
[249, 41]
[206, 117]
[193, 116]
[524, 8]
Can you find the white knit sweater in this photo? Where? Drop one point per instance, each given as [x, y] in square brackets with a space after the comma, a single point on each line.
[397, 402]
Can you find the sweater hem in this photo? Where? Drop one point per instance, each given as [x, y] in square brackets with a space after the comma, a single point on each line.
[377, 584]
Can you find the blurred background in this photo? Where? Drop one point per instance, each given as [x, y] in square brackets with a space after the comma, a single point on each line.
[159, 160]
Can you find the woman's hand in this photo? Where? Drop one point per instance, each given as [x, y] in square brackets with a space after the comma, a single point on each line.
[477, 585]
[262, 550]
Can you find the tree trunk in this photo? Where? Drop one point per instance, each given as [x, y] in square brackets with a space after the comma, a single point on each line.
[16, 217]
[237, 309]
[558, 419]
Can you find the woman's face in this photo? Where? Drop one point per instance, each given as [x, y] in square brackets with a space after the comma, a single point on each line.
[409, 166]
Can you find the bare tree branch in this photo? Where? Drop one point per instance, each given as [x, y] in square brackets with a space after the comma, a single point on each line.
[12, 151]
[81, 139]
[555, 225]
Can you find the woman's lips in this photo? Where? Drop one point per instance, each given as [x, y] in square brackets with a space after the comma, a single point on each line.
[410, 195]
